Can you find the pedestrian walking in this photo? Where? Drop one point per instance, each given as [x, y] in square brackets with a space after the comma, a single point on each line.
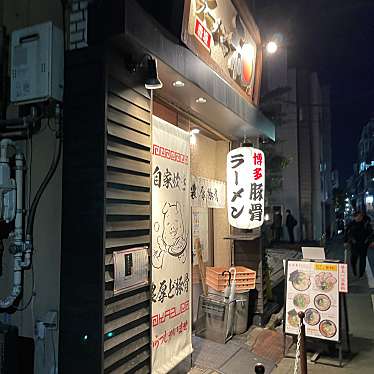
[358, 237]
[290, 224]
[277, 226]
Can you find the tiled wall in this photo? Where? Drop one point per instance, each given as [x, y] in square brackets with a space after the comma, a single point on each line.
[78, 13]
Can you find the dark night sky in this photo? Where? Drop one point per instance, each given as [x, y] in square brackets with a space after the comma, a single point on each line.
[335, 38]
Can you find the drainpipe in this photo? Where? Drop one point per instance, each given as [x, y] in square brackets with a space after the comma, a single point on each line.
[18, 230]
[17, 246]
[8, 301]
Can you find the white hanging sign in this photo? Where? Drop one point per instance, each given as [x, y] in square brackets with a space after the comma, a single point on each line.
[207, 193]
[171, 252]
[245, 187]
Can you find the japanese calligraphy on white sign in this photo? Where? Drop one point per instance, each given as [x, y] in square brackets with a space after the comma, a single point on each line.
[207, 193]
[245, 187]
[171, 252]
[200, 232]
[130, 269]
[312, 287]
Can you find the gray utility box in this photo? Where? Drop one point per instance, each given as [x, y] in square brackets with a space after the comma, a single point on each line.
[37, 64]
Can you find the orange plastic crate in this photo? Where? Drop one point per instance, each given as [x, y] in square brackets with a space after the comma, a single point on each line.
[245, 278]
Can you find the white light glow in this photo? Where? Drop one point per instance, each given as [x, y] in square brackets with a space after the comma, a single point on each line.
[201, 100]
[369, 199]
[178, 84]
[195, 131]
[193, 139]
[271, 47]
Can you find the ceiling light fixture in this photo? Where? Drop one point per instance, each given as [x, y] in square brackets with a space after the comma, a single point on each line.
[195, 131]
[201, 100]
[178, 84]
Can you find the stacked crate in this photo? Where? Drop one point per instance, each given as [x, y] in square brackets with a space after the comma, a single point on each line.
[218, 280]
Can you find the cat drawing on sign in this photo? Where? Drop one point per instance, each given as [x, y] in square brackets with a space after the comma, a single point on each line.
[172, 238]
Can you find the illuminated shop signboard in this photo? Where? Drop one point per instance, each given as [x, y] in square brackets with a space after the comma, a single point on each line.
[223, 34]
[245, 187]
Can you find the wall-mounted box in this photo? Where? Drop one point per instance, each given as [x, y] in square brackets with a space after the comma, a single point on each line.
[37, 64]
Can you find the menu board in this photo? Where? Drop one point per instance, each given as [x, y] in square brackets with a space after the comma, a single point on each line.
[312, 287]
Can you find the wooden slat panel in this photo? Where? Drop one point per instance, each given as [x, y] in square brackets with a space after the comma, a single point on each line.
[109, 259]
[121, 242]
[128, 147]
[127, 150]
[117, 194]
[129, 179]
[128, 94]
[124, 320]
[127, 225]
[127, 107]
[127, 209]
[125, 120]
[143, 370]
[127, 350]
[127, 164]
[108, 294]
[126, 302]
[127, 134]
[109, 277]
[120, 338]
[128, 366]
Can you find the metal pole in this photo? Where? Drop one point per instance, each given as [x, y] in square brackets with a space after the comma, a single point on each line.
[303, 360]
[259, 369]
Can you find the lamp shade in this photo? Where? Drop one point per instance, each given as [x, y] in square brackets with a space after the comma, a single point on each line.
[152, 81]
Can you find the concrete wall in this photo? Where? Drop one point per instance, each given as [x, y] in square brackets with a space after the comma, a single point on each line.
[46, 260]
[318, 212]
[287, 146]
[304, 139]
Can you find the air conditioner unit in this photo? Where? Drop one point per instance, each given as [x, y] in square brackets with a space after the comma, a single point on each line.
[37, 64]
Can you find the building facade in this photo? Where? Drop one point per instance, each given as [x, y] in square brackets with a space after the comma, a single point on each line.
[361, 186]
[100, 200]
[302, 112]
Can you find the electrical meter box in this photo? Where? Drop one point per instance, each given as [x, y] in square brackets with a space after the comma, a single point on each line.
[37, 64]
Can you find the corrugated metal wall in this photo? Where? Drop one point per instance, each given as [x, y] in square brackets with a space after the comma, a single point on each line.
[127, 316]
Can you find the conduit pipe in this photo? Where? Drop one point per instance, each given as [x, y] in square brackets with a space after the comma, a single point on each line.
[17, 244]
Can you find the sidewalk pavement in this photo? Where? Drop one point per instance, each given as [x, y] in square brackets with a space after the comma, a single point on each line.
[239, 355]
[361, 318]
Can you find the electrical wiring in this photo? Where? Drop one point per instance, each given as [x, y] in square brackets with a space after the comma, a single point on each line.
[43, 185]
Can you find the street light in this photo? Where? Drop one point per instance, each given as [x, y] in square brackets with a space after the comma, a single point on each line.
[275, 42]
[271, 47]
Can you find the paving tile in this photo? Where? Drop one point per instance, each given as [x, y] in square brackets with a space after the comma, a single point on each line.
[245, 362]
[209, 354]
